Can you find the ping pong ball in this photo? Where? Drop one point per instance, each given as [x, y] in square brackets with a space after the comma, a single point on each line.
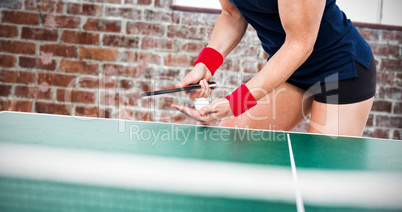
[200, 102]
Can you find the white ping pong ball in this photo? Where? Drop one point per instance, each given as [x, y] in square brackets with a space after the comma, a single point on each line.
[200, 102]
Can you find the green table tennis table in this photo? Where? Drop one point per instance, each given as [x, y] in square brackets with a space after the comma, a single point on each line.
[65, 163]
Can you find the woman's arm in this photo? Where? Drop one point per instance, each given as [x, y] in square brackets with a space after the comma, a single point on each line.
[228, 32]
[229, 29]
[301, 22]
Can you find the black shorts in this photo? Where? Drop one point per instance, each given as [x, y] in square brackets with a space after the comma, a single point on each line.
[346, 91]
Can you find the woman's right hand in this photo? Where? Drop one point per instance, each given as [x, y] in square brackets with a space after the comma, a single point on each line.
[200, 74]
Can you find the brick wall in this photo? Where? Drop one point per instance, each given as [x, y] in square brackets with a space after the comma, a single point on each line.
[92, 57]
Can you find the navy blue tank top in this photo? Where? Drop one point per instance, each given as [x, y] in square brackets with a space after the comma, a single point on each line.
[338, 46]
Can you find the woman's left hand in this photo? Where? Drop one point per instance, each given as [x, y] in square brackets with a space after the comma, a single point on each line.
[216, 110]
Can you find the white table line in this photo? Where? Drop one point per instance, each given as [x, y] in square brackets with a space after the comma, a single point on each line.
[299, 200]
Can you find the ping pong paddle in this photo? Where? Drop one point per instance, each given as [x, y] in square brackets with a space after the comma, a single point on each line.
[190, 87]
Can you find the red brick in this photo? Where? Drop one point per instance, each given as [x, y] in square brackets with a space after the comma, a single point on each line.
[162, 3]
[80, 37]
[144, 2]
[130, 57]
[76, 96]
[106, 1]
[385, 78]
[16, 17]
[22, 106]
[382, 106]
[120, 70]
[123, 12]
[261, 65]
[150, 58]
[119, 99]
[385, 50]
[162, 16]
[5, 90]
[230, 65]
[146, 103]
[33, 92]
[222, 91]
[124, 113]
[178, 60]
[391, 65]
[130, 98]
[186, 32]
[109, 99]
[225, 79]
[48, 6]
[37, 63]
[163, 74]
[59, 50]
[5, 104]
[198, 19]
[81, 67]
[370, 120]
[165, 102]
[369, 34]
[51, 108]
[396, 122]
[144, 28]
[246, 51]
[398, 79]
[87, 111]
[250, 66]
[159, 44]
[7, 61]
[96, 82]
[380, 92]
[393, 93]
[142, 116]
[39, 34]
[102, 25]
[92, 112]
[135, 87]
[53, 79]
[17, 77]
[397, 135]
[392, 35]
[144, 86]
[380, 133]
[398, 108]
[56, 21]
[99, 54]
[8, 31]
[382, 121]
[265, 55]
[84, 9]
[17, 47]
[120, 41]
[193, 47]
[126, 84]
[11, 4]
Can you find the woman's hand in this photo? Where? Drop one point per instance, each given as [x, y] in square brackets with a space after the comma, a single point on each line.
[200, 74]
[216, 110]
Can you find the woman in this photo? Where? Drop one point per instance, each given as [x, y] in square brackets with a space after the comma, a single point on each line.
[318, 64]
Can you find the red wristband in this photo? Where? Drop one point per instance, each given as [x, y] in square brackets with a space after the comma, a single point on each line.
[211, 58]
[241, 100]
